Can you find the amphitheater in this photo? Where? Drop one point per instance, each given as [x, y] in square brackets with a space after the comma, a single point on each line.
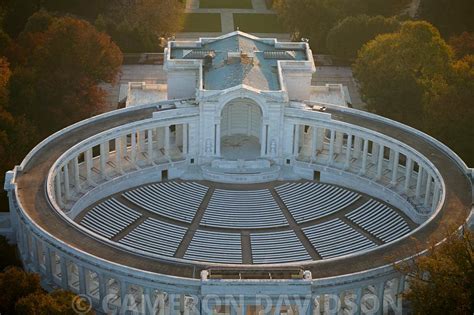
[245, 191]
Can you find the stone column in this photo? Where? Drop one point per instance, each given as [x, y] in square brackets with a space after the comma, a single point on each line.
[59, 198]
[48, 263]
[379, 293]
[436, 194]
[77, 179]
[314, 142]
[263, 144]
[357, 302]
[428, 189]
[102, 289]
[296, 139]
[380, 162]
[218, 139]
[365, 151]
[167, 140]
[185, 139]
[67, 192]
[150, 145]
[89, 165]
[118, 153]
[418, 181]
[408, 170]
[348, 152]
[104, 154]
[82, 279]
[331, 147]
[123, 289]
[357, 146]
[338, 142]
[133, 150]
[64, 276]
[396, 157]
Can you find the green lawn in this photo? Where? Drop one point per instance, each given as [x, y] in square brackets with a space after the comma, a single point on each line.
[257, 23]
[202, 22]
[225, 4]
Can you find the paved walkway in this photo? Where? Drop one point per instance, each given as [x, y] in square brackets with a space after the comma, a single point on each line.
[259, 6]
[227, 19]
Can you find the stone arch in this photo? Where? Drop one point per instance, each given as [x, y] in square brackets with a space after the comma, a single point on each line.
[241, 123]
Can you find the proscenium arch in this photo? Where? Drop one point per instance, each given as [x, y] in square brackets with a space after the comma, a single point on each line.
[241, 129]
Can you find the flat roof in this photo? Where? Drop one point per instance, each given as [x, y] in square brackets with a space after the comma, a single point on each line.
[257, 67]
[32, 180]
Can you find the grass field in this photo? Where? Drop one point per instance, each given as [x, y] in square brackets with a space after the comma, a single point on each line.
[225, 4]
[202, 22]
[257, 23]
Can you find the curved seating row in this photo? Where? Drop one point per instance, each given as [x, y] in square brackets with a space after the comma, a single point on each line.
[215, 247]
[335, 238]
[277, 247]
[109, 218]
[243, 209]
[308, 201]
[379, 220]
[156, 237]
[174, 200]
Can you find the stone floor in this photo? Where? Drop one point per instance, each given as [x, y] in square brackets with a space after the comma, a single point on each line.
[237, 147]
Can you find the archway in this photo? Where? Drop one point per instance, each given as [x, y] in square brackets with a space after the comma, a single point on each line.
[241, 130]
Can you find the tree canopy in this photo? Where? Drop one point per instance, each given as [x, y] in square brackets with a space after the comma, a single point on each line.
[462, 44]
[313, 19]
[449, 108]
[442, 281]
[60, 62]
[138, 27]
[449, 16]
[349, 35]
[395, 69]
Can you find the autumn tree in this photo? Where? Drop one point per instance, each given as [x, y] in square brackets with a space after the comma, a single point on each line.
[442, 281]
[462, 44]
[449, 16]
[56, 303]
[137, 26]
[14, 285]
[449, 109]
[349, 35]
[64, 60]
[313, 19]
[395, 70]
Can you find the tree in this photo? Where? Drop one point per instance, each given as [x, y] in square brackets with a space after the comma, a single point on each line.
[137, 26]
[55, 82]
[349, 35]
[462, 44]
[442, 281]
[449, 16]
[9, 256]
[394, 70]
[311, 19]
[56, 303]
[449, 109]
[15, 284]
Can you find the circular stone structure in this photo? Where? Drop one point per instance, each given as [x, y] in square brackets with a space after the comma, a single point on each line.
[140, 210]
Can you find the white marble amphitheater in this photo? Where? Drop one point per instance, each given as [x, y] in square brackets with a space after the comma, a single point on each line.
[245, 191]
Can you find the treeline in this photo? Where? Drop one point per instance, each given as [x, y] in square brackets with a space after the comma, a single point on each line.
[134, 26]
[408, 71]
